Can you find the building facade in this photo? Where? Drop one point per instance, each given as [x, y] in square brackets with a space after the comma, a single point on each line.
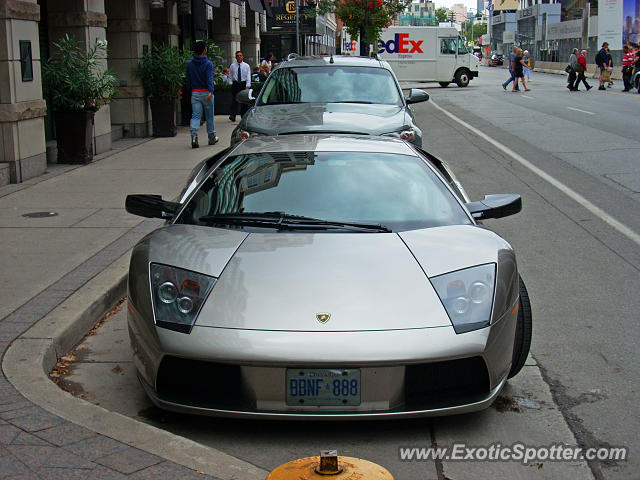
[29, 30]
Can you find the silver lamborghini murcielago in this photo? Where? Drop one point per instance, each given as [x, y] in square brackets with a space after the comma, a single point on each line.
[325, 277]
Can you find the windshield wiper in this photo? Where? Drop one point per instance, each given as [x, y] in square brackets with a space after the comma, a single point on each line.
[284, 221]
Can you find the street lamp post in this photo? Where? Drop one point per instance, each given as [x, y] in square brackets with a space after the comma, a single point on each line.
[298, 29]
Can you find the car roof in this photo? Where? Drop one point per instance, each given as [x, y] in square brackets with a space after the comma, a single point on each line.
[342, 60]
[323, 143]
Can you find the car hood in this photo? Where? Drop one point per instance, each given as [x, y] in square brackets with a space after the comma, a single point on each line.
[325, 117]
[284, 281]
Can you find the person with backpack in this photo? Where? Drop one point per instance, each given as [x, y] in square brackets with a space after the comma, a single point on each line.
[601, 59]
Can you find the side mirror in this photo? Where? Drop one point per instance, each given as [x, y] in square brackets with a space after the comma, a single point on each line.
[495, 206]
[246, 96]
[150, 206]
[416, 96]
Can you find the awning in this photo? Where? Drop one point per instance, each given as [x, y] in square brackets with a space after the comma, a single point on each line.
[213, 3]
[267, 8]
[256, 5]
[237, 2]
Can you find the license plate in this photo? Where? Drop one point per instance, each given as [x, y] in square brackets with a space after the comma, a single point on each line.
[324, 387]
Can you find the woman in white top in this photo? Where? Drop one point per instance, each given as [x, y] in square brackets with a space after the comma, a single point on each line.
[267, 61]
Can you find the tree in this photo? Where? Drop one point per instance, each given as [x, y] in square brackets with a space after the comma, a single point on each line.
[441, 14]
[479, 29]
[364, 18]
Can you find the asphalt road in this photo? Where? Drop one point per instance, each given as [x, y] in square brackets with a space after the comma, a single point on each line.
[582, 274]
[580, 267]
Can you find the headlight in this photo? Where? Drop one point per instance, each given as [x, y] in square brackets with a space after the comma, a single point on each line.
[407, 134]
[178, 296]
[467, 295]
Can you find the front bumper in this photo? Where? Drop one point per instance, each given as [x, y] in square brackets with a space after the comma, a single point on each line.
[472, 404]
[255, 362]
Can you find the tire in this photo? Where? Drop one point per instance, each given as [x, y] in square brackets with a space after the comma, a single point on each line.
[444, 84]
[522, 340]
[462, 77]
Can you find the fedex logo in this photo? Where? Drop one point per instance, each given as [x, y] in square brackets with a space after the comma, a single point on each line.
[401, 44]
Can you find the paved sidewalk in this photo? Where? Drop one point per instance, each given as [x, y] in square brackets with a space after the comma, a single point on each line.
[46, 259]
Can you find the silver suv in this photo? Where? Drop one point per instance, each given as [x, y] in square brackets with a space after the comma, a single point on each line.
[338, 94]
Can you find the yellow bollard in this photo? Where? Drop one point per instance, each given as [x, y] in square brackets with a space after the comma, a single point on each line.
[328, 466]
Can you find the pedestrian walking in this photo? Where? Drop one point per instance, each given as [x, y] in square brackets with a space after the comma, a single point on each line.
[240, 73]
[573, 61]
[601, 58]
[627, 67]
[581, 67]
[609, 66]
[518, 71]
[267, 62]
[527, 62]
[511, 60]
[226, 76]
[199, 80]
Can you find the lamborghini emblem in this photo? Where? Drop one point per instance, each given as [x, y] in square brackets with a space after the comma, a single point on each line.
[323, 317]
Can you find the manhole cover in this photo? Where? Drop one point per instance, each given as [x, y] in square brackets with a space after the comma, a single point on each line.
[40, 214]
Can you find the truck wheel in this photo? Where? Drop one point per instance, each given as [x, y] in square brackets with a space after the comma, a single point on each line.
[444, 84]
[462, 77]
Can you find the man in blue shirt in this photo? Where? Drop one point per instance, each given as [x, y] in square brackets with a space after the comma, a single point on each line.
[200, 82]
[512, 62]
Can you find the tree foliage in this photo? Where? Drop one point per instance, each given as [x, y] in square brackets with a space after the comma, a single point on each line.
[441, 14]
[77, 79]
[368, 16]
[479, 29]
[216, 55]
[162, 71]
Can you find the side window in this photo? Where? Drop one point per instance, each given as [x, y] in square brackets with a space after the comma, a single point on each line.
[462, 49]
[448, 46]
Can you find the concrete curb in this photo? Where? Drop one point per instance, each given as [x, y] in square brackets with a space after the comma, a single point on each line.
[33, 354]
[615, 75]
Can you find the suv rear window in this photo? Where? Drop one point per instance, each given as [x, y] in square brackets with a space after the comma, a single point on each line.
[331, 84]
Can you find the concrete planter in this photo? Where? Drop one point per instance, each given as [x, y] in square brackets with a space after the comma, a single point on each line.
[74, 135]
[222, 102]
[163, 116]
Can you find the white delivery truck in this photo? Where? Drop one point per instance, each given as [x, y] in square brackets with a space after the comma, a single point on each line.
[428, 54]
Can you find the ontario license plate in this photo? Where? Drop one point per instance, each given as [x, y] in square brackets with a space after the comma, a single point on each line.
[324, 387]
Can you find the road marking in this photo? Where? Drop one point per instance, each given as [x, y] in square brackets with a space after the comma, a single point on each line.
[527, 96]
[597, 211]
[581, 111]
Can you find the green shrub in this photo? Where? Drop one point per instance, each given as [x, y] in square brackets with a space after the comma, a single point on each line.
[162, 71]
[75, 78]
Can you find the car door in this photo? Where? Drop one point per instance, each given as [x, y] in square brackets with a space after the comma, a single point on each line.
[447, 57]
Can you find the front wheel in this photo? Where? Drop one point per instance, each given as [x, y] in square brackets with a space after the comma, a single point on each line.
[462, 77]
[522, 340]
[444, 84]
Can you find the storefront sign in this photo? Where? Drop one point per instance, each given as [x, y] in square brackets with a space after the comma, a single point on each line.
[610, 23]
[563, 30]
[284, 21]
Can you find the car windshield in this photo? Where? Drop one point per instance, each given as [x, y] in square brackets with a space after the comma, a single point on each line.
[331, 84]
[397, 192]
